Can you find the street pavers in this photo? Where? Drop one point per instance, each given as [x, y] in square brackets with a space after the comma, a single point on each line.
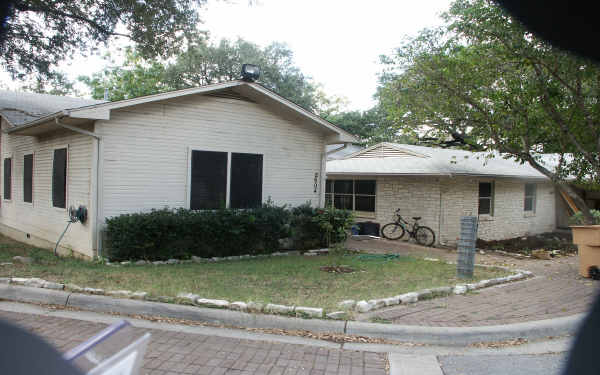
[187, 353]
[557, 290]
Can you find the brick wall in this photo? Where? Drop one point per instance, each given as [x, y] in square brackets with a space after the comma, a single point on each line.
[441, 201]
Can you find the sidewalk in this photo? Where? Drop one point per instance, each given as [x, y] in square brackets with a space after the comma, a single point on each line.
[173, 352]
[556, 291]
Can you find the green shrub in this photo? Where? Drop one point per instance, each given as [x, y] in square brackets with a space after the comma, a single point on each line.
[181, 233]
[313, 227]
[577, 219]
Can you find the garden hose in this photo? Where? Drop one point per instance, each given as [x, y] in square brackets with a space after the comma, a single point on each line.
[383, 257]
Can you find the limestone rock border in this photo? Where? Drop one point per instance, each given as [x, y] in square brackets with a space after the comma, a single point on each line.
[195, 259]
[270, 308]
[364, 306]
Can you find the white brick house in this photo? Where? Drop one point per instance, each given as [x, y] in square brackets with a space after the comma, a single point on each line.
[441, 185]
[233, 144]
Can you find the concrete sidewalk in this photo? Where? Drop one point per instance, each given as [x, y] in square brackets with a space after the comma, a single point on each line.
[556, 291]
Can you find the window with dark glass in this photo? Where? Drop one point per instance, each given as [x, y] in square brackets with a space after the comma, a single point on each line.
[530, 192]
[7, 178]
[246, 180]
[59, 178]
[209, 180]
[486, 198]
[28, 178]
[357, 195]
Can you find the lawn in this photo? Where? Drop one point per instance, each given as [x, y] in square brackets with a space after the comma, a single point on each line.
[289, 280]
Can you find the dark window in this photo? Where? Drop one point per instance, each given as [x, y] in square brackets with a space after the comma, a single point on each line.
[358, 195]
[7, 178]
[530, 192]
[59, 178]
[364, 187]
[342, 186]
[364, 203]
[486, 198]
[28, 178]
[209, 180]
[246, 180]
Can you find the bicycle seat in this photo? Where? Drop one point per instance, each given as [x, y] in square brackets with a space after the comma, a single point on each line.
[416, 217]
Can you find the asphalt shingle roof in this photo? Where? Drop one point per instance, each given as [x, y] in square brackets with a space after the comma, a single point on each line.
[436, 161]
[22, 107]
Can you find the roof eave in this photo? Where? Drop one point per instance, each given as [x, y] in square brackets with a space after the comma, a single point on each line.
[39, 121]
[101, 111]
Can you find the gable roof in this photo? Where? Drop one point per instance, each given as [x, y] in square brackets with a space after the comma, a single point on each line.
[251, 90]
[19, 108]
[380, 160]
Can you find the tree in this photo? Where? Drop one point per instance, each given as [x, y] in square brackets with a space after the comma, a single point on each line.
[40, 33]
[58, 84]
[485, 79]
[371, 126]
[135, 77]
[204, 63]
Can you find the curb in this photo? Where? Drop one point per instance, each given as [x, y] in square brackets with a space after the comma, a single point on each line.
[449, 336]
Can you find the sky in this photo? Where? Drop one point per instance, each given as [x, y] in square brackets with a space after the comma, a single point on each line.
[336, 42]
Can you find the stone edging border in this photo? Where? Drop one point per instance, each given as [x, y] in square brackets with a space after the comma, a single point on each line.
[195, 259]
[362, 306]
[451, 336]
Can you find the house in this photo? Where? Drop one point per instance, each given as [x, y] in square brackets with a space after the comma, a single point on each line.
[233, 144]
[441, 185]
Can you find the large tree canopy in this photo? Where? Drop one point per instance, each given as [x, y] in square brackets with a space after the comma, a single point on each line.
[484, 79]
[38, 34]
[204, 63]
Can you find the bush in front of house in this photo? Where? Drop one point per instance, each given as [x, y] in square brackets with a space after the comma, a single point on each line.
[181, 233]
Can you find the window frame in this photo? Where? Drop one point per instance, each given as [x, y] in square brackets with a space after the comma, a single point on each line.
[332, 195]
[188, 187]
[491, 198]
[65, 146]
[533, 198]
[32, 178]
[12, 169]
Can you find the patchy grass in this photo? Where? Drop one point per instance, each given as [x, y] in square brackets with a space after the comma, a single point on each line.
[290, 280]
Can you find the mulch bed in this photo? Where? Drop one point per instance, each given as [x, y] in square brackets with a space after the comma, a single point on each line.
[337, 269]
[556, 242]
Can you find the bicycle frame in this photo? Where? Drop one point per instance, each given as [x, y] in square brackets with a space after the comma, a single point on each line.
[406, 225]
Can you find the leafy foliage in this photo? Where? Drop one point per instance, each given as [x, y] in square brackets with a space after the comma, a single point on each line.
[371, 126]
[204, 63]
[136, 77]
[41, 33]
[578, 218]
[181, 233]
[485, 80]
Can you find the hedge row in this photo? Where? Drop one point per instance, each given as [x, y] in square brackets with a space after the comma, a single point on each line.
[181, 233]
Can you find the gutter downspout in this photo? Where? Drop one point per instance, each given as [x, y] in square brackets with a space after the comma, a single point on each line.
[96, 192]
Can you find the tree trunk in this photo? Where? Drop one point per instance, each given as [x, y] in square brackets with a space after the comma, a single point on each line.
[565, 187]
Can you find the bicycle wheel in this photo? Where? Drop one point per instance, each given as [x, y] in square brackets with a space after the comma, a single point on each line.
[425, 236]
[392, 231]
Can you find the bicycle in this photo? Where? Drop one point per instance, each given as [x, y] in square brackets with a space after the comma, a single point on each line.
[396, 230]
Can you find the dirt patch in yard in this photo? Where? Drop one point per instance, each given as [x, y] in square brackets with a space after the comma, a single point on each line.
[554, 243]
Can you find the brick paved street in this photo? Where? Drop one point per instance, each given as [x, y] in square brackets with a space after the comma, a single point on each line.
[557, 290]
[186, 353]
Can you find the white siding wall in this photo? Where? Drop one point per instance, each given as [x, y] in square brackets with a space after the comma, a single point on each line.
[145, 151]
[40, 219]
